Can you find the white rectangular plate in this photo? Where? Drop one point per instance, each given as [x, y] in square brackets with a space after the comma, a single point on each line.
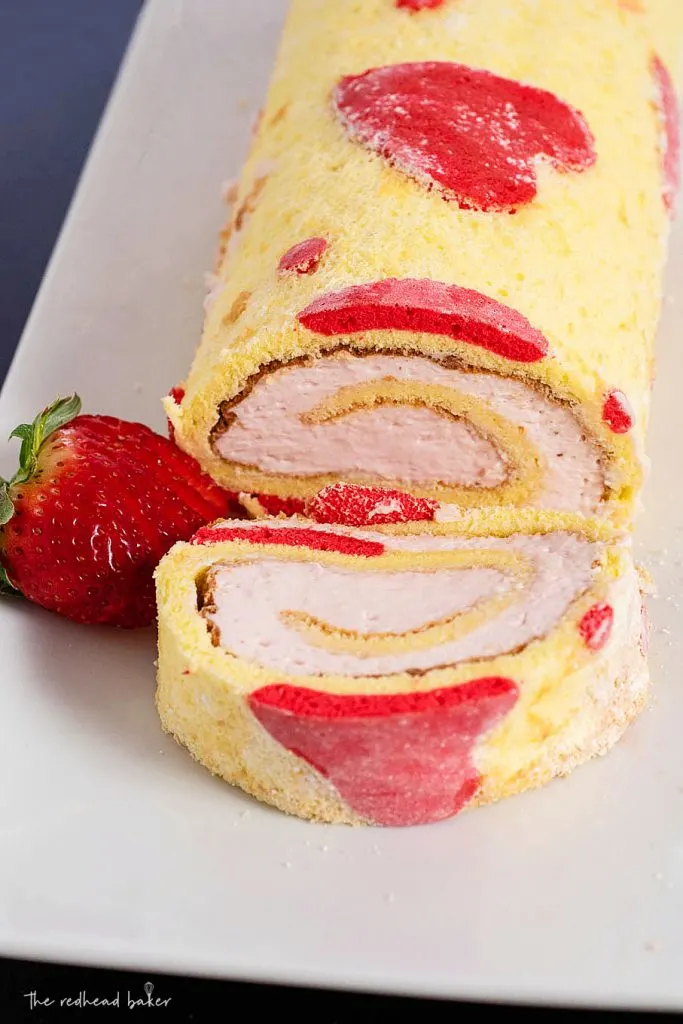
[116, 849]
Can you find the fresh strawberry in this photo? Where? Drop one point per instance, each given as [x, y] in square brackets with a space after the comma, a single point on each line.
[95, 504]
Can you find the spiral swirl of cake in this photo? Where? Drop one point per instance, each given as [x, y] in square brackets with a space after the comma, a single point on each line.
[394, 677]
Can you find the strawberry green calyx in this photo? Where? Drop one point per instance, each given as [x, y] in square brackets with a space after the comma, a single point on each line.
[6, 513]
[94, 506]
[34, 434]
[6, 506]
[6, 586]
[32, 437]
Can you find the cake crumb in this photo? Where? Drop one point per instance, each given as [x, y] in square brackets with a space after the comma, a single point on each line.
[229, 190]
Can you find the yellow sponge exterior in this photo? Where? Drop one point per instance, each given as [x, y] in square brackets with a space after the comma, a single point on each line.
[582, 262]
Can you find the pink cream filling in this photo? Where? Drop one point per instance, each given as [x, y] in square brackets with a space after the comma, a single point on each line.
[250, 597]
[408, 443]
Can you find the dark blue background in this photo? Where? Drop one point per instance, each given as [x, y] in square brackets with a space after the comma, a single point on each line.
[58, 59]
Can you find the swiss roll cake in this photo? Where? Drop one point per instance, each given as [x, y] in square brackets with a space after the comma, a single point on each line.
[441, 277]
[396, 676]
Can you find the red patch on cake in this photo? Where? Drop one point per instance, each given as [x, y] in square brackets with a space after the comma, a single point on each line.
[419, 5]
[351, 505]
[177, 394]
[293, 536]
[667, 104]
[475, 136]
[410, 304]
[395, 759]
[304, 257]
[617, 413]
[234, 509]
[275, 506]
[596, 625]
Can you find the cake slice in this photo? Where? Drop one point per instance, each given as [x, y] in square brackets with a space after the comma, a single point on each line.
[391, 677]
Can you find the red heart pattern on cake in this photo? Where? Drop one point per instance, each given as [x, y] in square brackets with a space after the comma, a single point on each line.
[295, 537]
[596, 626]
[419, 5]
[355, 505]
[473, 135]
[396, 759]
[304, 257]
[617, 412]
[411, 304]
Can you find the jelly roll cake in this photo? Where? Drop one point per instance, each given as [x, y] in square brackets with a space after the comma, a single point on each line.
[426, 368]
[442, 275]
[472, 668]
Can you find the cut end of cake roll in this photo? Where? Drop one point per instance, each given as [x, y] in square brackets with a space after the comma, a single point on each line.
[433, 390]
[394, 677]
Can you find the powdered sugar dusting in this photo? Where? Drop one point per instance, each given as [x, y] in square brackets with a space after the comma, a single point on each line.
[214, 286]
